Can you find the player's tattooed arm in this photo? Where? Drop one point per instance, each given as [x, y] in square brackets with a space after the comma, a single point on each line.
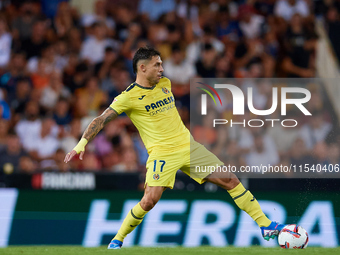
[98, 123]
[91, 131]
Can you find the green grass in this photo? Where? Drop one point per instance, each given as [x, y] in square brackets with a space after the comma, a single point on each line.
[68, 250]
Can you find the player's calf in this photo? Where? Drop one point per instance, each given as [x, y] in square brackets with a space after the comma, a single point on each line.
[136, 215]
[245, 200]
[225, 182]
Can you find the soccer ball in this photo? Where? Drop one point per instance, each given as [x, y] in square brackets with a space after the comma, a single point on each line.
[293, 236]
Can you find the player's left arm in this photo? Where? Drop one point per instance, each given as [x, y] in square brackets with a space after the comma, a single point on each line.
[91, 131]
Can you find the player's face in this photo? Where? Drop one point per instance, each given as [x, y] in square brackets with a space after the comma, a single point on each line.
[154, 70]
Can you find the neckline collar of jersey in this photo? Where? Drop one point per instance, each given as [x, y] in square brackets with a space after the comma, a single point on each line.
[144, 87]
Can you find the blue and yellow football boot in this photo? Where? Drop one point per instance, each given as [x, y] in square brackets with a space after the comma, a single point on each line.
[272, 230]
[115, 244]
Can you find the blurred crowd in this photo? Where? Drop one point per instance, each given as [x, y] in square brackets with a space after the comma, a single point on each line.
[250, 140]
[62, 62]
[332, 22]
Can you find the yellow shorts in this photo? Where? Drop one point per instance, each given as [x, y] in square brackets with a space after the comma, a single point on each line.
[162, 166]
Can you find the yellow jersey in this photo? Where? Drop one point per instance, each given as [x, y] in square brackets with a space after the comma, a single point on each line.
[153, 112]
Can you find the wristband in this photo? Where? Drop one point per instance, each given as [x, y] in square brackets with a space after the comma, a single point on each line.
[81, 145]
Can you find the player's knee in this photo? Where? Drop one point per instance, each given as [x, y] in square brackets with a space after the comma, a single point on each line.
[229, 183]
[147, 203]
[225, 183]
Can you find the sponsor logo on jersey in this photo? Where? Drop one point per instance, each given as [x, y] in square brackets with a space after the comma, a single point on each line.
[140, 98]
[159, 103]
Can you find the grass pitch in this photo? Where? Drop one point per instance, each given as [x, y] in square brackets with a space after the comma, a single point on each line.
[68, 250]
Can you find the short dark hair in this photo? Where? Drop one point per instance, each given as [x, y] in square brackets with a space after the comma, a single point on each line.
[143, 53]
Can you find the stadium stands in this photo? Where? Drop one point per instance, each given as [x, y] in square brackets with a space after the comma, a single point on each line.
[61, 66]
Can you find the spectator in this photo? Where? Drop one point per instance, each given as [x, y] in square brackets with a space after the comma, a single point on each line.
[320, 153]
[263, 153]
[125, 17]
[53, 92]
[250, 23]
[75, 75]
[109, 140]
[153, 9]
[26, 165]
[300, 45]
[140, 150]
[37, 42]
[333, 23]
[287, 8]
[5, 111]
[247, 53]
[219, 147]
[71, 136]
[205, 67]
[271, 45]
[90, 98]
[223, 67]
[102, 69]
[316, 131]
[299, 153]
[264, 8]
[59, 161]
[174, 33]
[242, 137]
[133, 39]
[74, 40]
[41, 78]
[61, 113]
[116, 82]
[99, 16]
[189, 10]
[28, 127]
[11, 154]
[64, 20]
[128, 163]
[49, 55]
[194, 49]
[21, 97]
[178, 70]
[15, 71]
[23, 24]
[61, 55]
[90, 162]
[205, 133]
[93, 49]
[284, 138]
[5, 44]
[51, 7]
[4, 127]
[56, 162]
[228, 30]
[333, 156]
[45, 144]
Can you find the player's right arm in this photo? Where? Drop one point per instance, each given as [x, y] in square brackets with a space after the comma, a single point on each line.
[121, 103]
[91, 131]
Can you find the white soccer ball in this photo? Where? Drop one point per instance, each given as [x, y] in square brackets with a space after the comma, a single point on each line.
[293, 236]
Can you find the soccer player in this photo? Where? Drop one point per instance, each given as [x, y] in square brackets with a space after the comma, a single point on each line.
[151, 107]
